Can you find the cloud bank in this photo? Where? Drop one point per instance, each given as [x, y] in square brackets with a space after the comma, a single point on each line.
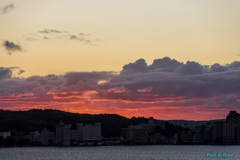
[165, 89]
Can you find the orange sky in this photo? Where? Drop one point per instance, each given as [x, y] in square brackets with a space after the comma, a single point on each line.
[108, 57]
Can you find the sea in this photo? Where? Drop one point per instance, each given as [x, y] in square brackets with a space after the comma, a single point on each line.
[152, 152]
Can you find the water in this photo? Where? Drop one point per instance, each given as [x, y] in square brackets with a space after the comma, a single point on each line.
[164, 152]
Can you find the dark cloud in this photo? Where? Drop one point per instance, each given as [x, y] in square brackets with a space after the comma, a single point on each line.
[20, 72]
[140, 77]
[9, 72]
[40, 86]
[158, 84]
[11, 46]
[82, 38]
[190, 68]
[218, 68]
[5, 73]
[81, 81]
[136, 67]
[50, 31]
[165, 64]
[222, 68]
[189, 80]
[7, 8]
[235, 65]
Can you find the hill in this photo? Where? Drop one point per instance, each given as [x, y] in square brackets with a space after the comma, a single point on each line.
[37, 119]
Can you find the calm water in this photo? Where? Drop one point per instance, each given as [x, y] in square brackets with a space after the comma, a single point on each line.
[119, 152]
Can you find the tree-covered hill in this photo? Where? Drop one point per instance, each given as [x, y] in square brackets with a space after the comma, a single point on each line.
[38, 119]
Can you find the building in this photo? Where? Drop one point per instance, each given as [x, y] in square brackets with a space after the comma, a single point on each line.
[75, 136]
[207, 133]
[238, 134]
[232, 128]
[157, 138]
[33, 137]
[224, 132]
[63, 134]
[135, 134]
[229, 133]
[90, 132]
[233, 116]
[217, 132]
[46, 137]
[5, 134]
[139, 134]
[187, 137]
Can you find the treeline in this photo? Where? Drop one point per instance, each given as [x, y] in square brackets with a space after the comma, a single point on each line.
[37, 120]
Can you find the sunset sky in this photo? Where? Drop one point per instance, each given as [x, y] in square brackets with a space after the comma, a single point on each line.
[167, 59]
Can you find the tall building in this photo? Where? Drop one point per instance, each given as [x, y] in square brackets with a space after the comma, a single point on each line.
[233, 128]
[233, 116]
[238, 134]
[46, 137]
[63, 134]
[229, 133]
[90, 132]
[217, 132]
[75, 136]
[207, 133]
[135, 134]
[224, 132]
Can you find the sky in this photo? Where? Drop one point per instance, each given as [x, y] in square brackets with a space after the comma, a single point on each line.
[166, 59]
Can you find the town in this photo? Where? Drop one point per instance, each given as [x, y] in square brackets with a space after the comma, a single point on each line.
[145, 132]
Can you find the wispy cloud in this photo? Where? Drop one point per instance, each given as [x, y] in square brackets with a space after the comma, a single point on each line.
[7, 8]
[30, 39]
[46, 38]
[82, 38]
[50, 31]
